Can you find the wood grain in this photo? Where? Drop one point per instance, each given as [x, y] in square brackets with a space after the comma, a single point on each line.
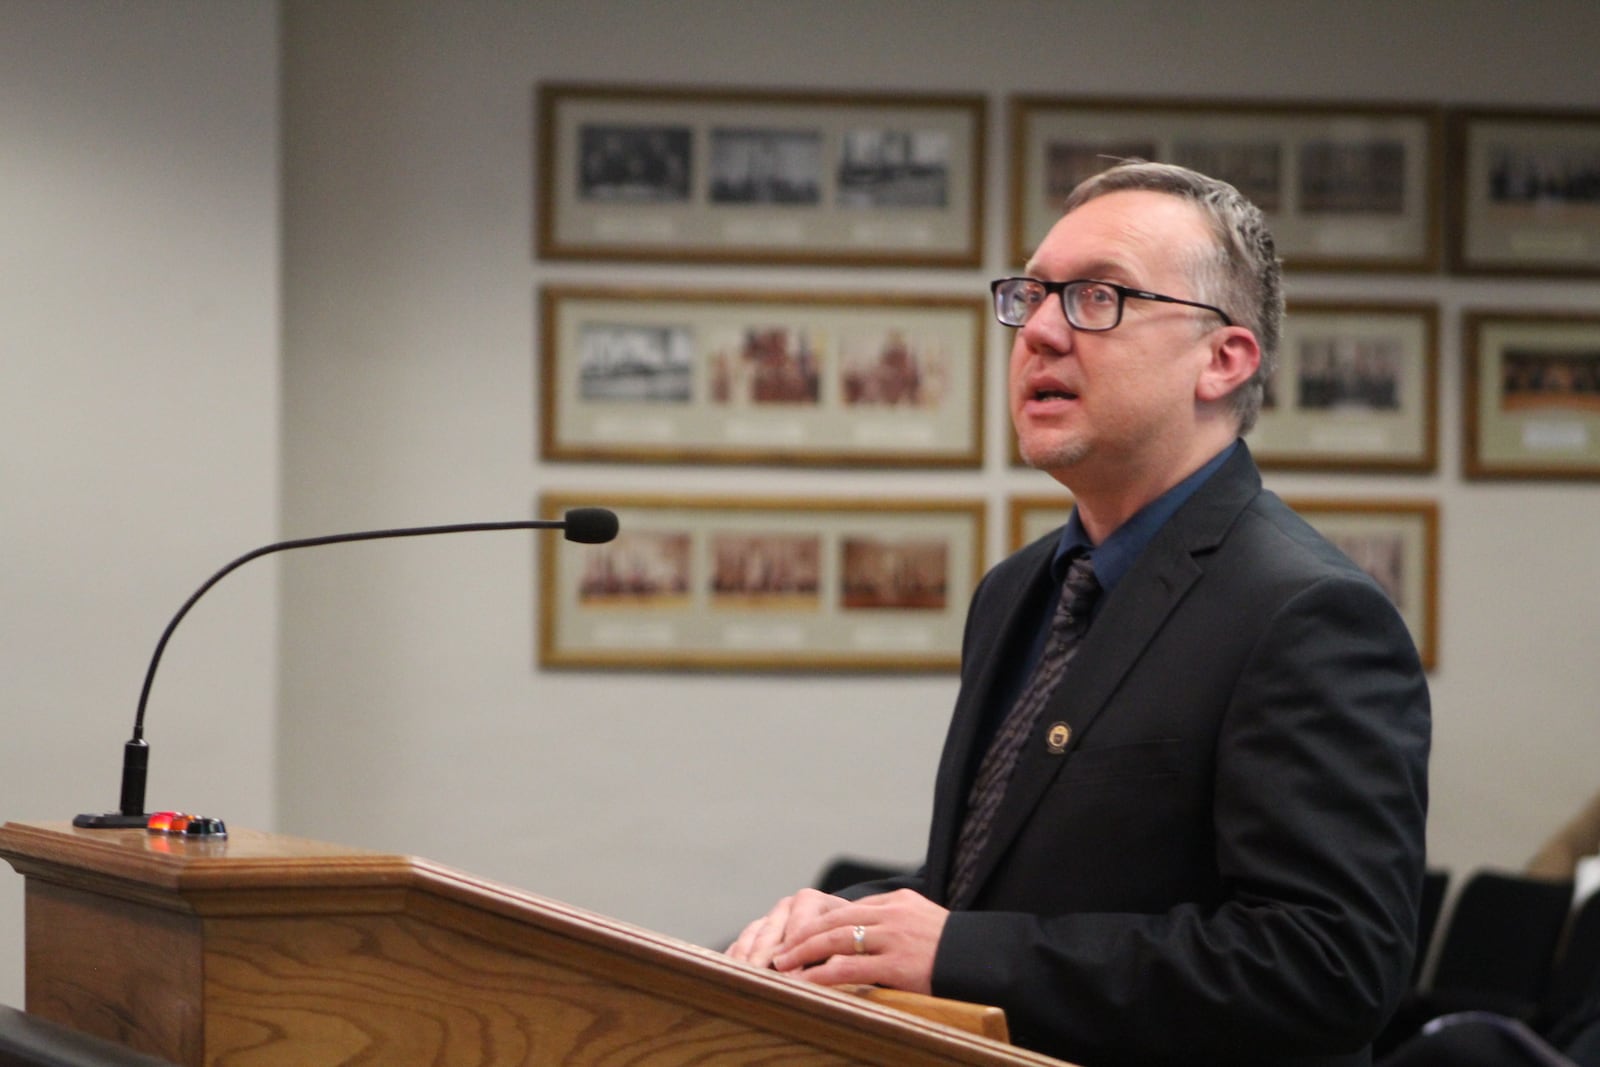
[266, 950]
[124, 972]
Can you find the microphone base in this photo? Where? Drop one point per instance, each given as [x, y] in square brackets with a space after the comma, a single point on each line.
[111, 820]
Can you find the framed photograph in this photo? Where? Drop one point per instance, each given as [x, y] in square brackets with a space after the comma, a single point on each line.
[1344, 188]
[774, 584]
[1395, 541]
[759, 176]
[1525, 192]
[1532, 396]
[782, 378]
[1356, 389]
[1031, 516]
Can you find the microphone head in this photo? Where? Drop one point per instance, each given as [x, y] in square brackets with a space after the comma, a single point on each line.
[590, 526]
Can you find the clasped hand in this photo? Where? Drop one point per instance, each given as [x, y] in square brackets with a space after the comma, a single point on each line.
[812, 935]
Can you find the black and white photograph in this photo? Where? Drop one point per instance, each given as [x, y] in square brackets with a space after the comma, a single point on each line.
[894, 169]
[1343, 373]
[770, 167]
[626, 362]
[1069, 162]
[1567, 175]
[683, 174]
[1254, 167]
[1525, 191]
[1356, 389]
[1353, 177]
[1349, 188]
[635, 163]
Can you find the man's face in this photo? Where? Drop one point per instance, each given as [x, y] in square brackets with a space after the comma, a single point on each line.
[1120, 404]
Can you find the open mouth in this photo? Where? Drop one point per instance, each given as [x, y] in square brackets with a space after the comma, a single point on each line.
[1054, 394]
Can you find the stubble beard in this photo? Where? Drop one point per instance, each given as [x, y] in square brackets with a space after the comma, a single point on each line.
[1052, 457]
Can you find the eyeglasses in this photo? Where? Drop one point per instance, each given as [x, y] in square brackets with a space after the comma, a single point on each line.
[1089, 305]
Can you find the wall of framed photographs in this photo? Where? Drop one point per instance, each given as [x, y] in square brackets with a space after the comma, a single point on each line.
[416, 350]
[1432, 345]
[891, 378]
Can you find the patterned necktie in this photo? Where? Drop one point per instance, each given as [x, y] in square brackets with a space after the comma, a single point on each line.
[994, 773]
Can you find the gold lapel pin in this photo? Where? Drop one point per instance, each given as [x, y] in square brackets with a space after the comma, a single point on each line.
[1056, 740]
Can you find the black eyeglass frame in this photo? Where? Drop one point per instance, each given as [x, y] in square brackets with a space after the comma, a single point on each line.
[1122, 291]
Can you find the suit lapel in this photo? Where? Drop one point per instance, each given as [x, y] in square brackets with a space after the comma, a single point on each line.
[1109, 651]
[1022, 600]
[1127, 623]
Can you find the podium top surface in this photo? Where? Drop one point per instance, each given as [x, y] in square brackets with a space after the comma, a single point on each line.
[253, 875]
[251, 872]
[173, 860]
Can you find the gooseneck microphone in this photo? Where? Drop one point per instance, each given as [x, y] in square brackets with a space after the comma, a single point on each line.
[588, 526]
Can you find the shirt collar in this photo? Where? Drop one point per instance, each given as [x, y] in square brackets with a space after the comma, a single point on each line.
[1115, 555]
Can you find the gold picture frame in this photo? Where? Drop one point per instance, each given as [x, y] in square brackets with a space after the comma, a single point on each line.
[1531, 402]
[1030, 516]
[1356, 389]
[788, 378]
[765, 584]
[1344, 188]
[1394, 541]
[1525, 192]
[1397, 543]
[706, 175]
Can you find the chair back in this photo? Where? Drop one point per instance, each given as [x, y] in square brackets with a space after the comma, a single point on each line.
[1434, 884]
[842, 871]
[1501, 937]
[1575, 978]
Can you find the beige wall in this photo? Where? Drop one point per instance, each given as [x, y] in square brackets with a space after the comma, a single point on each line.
[139, 406]
[410, 715]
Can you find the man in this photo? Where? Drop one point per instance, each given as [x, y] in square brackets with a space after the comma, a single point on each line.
[1209, 848]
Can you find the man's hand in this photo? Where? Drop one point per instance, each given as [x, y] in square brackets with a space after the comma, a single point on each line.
[813, 936]
[765, 937]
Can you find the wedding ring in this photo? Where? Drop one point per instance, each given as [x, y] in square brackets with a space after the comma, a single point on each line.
[859, 935]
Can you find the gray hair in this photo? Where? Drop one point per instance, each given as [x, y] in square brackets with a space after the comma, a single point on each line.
[1241, 274]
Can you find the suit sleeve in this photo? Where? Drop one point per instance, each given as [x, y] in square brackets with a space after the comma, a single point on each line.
[913, 880]
[1319, 805]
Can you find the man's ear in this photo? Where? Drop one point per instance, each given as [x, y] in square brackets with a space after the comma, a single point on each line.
[1235, 355]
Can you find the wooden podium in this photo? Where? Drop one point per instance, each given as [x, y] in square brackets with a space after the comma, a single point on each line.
[261, 949]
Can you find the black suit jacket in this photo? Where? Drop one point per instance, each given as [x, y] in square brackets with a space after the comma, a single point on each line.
[1223, 861]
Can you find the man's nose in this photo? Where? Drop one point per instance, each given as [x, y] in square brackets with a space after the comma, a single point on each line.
[1047, 327]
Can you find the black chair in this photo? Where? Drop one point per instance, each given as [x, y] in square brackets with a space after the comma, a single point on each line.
[1477, 1039]
[1500, 943]
[28, 1040]
[845, 871]
[1434, 884]
[1498, 948]
[1485, 1039]
[1575, 978]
